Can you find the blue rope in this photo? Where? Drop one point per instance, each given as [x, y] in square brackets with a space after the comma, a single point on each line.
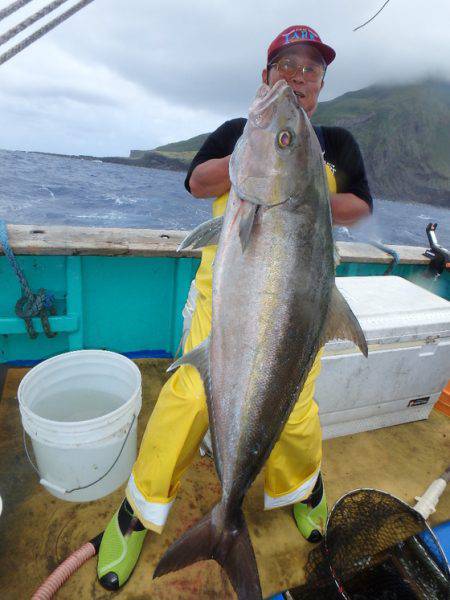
[10, 256]
[30, 304]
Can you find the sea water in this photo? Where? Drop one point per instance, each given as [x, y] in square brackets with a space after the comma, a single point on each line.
[76, 405]
[52, 190]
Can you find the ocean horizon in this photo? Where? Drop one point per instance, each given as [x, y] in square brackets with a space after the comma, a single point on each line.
[42, 189]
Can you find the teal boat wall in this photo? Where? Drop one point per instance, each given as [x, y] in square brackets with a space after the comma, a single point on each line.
[123, 304]
[126, 304]
[135, 303]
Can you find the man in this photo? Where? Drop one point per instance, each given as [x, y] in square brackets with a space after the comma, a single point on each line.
[296, 46]
[180, 420]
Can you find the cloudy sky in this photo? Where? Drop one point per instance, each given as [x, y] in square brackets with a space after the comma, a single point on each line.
[124, 74]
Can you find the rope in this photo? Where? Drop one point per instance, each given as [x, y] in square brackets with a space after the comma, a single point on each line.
[12, 8]
[42, 31]
[395, 255]
[30, 304]
[30, 20]
[12, 259]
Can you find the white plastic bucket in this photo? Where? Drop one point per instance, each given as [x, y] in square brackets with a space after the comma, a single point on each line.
[75, 453]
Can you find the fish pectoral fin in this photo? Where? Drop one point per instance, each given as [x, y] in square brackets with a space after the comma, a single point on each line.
[248, 215]
[342, 324]
[198, 358]
[206, 234]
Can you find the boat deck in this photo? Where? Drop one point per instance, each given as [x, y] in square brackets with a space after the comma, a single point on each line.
[37, 531]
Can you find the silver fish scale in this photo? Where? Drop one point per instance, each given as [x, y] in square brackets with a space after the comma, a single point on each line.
[269, 307]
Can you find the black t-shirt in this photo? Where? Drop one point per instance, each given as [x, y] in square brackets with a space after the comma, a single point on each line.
[341, 152]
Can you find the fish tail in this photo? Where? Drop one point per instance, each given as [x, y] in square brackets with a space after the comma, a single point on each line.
[228, 544]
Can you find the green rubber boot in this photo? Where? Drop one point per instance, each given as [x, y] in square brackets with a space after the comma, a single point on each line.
[311, 515]
[120, 548]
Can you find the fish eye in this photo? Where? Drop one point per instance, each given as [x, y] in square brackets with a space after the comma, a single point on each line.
[284, 138]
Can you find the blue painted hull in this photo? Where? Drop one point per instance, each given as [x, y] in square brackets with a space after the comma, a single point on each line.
[127, 304]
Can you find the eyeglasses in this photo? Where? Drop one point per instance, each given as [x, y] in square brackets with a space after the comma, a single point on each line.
[288, 67]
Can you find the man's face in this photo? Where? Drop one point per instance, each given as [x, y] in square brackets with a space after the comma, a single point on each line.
[307, 92]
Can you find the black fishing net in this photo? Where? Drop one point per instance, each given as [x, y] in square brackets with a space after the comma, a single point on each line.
[376, 548]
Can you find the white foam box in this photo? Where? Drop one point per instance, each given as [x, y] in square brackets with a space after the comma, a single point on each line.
[408, 332]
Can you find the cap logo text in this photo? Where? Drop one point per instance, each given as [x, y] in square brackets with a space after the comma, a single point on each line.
[298, 34]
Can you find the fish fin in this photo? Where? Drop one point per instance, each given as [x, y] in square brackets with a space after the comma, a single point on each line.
[198, 358]
[231, 547]
[206, 234]
[342, 324]
[246, 223]
[239, 563]
[194, 545]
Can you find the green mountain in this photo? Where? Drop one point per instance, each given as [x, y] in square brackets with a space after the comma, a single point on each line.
[184, 150]
[403, 132]
[404, 135]
[191, 145]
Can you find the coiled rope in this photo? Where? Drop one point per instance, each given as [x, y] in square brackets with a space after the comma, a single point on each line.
[30, 304]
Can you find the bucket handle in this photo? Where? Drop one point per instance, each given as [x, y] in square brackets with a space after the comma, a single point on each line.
[82, 487]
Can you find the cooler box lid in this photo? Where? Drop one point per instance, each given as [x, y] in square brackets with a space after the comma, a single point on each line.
[392, 310]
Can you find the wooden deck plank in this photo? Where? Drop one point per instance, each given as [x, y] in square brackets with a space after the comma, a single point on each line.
[37, 531]
[102, 241]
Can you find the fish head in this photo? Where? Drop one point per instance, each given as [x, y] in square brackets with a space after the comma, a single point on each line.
[278, 152]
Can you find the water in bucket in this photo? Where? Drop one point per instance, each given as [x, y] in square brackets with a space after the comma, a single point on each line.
[80, 410]
[76, 405]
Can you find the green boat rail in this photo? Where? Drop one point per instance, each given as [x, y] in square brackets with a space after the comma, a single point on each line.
[124, 289]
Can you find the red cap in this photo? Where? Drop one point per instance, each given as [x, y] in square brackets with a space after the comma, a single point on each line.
[300, 34]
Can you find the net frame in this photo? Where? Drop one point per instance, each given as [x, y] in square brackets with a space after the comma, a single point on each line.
[347, 550]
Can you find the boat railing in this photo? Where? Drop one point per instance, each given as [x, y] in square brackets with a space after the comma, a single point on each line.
[105, 241]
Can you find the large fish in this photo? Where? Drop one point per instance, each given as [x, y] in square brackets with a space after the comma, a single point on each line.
[275, 304]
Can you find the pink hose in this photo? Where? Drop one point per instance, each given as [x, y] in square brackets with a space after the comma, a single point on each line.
[62, 573]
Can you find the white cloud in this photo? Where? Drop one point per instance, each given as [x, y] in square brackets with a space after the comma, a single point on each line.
[121, 75]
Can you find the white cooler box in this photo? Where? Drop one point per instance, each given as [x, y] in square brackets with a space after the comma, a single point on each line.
[408, 332]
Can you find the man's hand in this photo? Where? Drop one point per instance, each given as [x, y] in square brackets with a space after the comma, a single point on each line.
[211, 179]
[348, 209]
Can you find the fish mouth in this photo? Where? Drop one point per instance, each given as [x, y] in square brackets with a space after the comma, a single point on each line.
[298, 97]
[266, 96]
